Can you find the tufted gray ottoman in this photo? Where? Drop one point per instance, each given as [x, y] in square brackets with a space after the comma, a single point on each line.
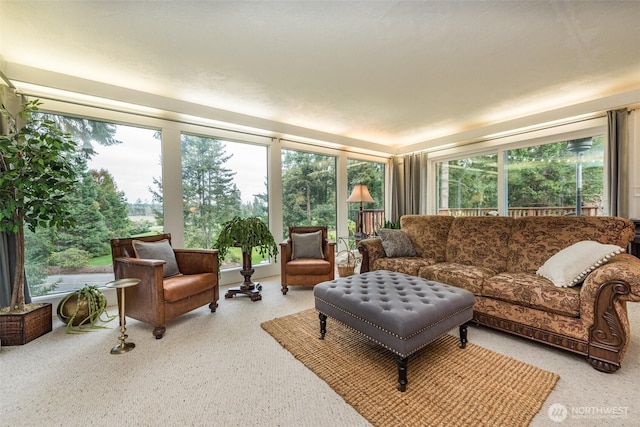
[400, 312]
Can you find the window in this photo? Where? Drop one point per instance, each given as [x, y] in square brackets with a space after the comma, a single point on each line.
[113, 200]
[221, 179]
[557, 178]
[467, 187]
[543, 179]
[308, 190]
[372, 175]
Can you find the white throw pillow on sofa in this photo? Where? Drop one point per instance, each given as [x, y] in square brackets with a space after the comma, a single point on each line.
[571, 265]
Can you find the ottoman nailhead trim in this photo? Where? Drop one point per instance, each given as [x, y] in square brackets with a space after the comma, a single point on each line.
[394, 351]
[387, 331]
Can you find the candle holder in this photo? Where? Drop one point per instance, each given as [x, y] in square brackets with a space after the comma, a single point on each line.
[120, 285]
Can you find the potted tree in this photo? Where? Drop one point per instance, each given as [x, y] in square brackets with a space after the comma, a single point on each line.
[39, 166]
[246, 233]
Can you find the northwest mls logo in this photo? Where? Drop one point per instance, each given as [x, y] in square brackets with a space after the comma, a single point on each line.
[557, 412]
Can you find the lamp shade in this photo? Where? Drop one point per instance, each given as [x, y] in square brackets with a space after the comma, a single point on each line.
[360, 194]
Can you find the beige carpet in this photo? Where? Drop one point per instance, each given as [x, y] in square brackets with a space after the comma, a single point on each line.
[448, 386]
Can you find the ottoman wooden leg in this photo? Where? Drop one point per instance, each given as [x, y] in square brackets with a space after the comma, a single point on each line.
[463, 335]
[402, 372]
[323, 325]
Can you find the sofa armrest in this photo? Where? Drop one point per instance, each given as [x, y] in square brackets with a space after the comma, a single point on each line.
[603, 310]
[196, 261]
[370, 249]
[622, 268]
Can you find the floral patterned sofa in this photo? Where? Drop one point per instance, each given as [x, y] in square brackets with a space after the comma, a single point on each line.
[497, 258]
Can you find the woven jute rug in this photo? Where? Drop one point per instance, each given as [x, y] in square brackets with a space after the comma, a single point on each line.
[448, 386]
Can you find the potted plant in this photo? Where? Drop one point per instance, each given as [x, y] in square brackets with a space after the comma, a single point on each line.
[85, 306]
[38, 168]
[246, 233]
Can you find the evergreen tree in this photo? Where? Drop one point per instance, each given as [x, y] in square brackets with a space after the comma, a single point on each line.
[112, 204]
[90, 232]
[210, 195]
[308, 188]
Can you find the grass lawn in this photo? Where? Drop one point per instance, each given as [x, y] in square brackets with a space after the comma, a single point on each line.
[233, 254]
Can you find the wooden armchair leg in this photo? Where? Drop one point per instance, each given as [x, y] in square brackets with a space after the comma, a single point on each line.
[213, 306]
[158, 331]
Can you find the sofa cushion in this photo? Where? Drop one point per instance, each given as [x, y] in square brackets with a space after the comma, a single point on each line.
[467, 277]
[158, 250]
[533, 291]
[536, 239]
[480, 241]
[571, 265]
[396, 243]
[428, 233]
[406, 265]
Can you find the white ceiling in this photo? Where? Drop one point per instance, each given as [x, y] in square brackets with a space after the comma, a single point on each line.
[395, 73]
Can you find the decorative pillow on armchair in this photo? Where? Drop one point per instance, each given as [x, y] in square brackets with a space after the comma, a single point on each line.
[571, 265]
[396, 243]
[307, 245]
[158, 250]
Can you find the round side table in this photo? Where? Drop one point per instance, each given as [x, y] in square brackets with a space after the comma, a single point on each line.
[121, 284]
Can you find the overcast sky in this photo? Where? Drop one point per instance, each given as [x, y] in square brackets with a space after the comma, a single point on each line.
[134, 163]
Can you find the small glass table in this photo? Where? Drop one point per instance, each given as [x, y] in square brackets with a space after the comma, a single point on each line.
[121, 284]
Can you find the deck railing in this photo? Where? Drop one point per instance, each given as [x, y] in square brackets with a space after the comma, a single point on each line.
[374, 218]
[522, 211]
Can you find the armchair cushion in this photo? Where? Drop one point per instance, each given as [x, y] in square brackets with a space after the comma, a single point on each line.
[307, 245]
[161, 250]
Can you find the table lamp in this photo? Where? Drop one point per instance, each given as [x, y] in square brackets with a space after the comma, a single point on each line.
[360, 194]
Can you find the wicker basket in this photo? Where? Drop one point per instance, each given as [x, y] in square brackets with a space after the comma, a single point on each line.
[347, 267]
[20, 328]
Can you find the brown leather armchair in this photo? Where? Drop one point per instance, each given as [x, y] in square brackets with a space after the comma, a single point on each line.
[306, 271]
[157, 299]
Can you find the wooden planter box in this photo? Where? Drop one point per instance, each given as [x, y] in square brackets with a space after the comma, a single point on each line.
[21, 328]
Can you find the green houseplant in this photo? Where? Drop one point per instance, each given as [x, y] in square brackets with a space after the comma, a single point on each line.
[247, 234]
[85, 306]
[38, 167]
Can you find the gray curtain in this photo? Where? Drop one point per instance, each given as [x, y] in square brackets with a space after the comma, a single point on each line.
[619, 172]
[12, 103]
[408, 185]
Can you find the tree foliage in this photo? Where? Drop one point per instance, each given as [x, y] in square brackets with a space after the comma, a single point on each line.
[38, 169]
[209, 193]
[537, 176]
[308, 189]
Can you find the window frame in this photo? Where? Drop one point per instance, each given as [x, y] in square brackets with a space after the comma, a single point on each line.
[501, 144]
